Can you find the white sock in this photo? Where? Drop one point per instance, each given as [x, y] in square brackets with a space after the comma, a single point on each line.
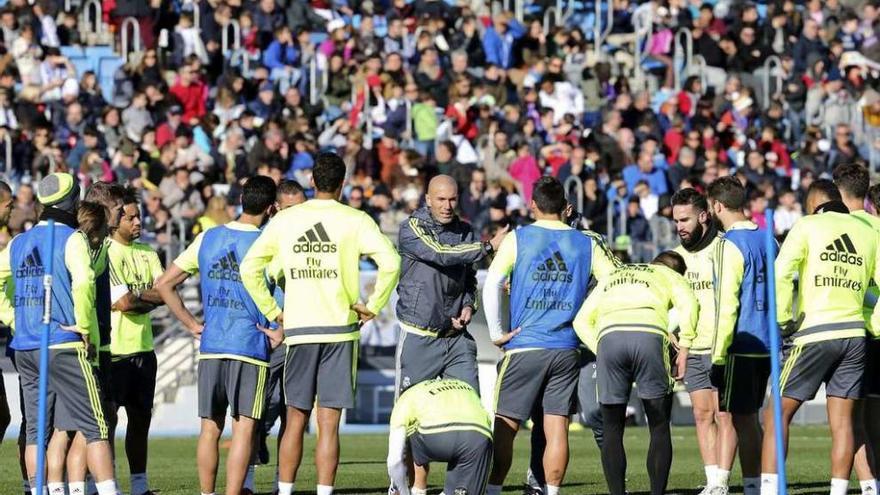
[722, 478]
[77, 487]
[710, 470]
[56, 488]
[493, 489]
[285, 488]
[107, 487]
[34, 490]
[418, 491]
[212, 493]
[324, 490]
[139, 484]
[551, 490]
[751, 486]
[869, 487]
[248, 479]
[769, 484]
[839, 486]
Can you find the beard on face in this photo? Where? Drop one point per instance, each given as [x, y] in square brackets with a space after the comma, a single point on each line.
[695, 237]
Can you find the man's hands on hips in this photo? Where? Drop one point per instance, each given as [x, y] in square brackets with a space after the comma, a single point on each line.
[463, 319]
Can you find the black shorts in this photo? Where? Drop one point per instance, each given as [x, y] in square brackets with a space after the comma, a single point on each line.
[838, 363]
[872, 370]
[467, 454]
[134, 381]
[742, 383]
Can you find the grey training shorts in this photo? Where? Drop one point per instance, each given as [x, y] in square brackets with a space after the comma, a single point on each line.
[467, 454]
[421, 358]
[79, 400]
[698, 374]
[545, 377]
[231, 384]
[839, 364]
[626, 357]
[322, 373]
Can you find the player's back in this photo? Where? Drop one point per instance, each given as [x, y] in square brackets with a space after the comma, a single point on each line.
[636, 296]
[435, 406]
[319, 250]
[836, 254]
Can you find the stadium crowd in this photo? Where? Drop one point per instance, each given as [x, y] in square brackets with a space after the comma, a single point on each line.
[462, 95]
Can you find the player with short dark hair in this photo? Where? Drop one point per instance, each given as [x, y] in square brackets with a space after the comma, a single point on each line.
[550, 266]
[741, 348]
[853, 181]
[835, 256]
[628, 314]
[318, 246]
[716, 436]
[234, 352]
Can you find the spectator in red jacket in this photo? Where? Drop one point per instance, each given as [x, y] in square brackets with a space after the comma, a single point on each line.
[190, 92]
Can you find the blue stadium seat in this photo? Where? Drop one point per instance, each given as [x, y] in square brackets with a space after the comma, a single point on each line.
[97, 52]
[73, 51]
[81, 64]
[108, 66]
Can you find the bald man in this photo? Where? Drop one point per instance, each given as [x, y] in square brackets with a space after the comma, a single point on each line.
[438, 293]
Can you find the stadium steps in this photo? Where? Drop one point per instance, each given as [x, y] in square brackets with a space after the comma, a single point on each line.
[176, 350]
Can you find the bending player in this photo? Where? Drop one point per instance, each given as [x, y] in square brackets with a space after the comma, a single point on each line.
[628, 314]
[443, 420]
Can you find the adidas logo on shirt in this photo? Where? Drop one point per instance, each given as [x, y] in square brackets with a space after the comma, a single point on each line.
[226, 268]
[32, 266]
[842, 250]
[553, 269]
[315, 240]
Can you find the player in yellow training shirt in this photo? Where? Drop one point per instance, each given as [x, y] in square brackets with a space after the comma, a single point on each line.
[134, 266]
[319, 244]
[834, 256]
[444, 421]
[715, 433]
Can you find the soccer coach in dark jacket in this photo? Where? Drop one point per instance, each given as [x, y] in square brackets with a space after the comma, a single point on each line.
[438, 290]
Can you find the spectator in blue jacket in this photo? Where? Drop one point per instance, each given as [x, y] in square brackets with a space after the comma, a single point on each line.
[645, 170]
[498, 39]
[281, 57]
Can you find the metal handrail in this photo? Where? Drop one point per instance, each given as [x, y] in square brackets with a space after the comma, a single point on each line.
[568, 12]
[700, 63]
[579, 191]
[368, 117]
[642, 22]
[600, 34]
[236, 34]
[556, 18]
[197, 16]
[99, 15]
[772, 62]
[682, 56]
[136, 28]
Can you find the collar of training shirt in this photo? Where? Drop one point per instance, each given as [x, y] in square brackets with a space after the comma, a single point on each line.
[744, 225]
[551, 224]
[236, 225]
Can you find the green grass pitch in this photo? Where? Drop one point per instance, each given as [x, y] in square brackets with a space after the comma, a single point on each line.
[172, 468]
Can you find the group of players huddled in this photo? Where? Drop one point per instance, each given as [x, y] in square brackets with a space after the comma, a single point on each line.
[282, 312]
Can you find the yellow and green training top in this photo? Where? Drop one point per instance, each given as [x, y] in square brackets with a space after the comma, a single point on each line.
[438, 406]
[700, 275]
